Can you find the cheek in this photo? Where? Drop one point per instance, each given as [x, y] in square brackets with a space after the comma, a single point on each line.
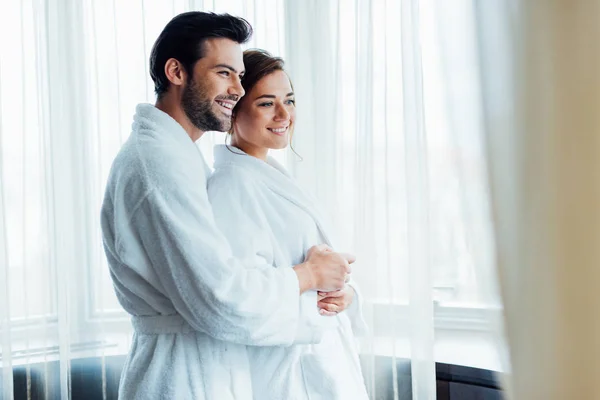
[249, 126]
[216, 87]
[205, 88]
[260, 119]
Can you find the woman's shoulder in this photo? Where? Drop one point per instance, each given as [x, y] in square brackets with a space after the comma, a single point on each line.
[231, 181]
[232, 190]
[229, 174]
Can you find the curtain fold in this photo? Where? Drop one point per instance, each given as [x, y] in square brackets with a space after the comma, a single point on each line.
[542, 92]
[418, 208]
[460, 88]
[6, 384]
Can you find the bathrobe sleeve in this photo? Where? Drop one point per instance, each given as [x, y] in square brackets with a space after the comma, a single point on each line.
[173, 225]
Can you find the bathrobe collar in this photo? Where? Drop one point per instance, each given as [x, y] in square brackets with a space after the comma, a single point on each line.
[149, 118]
[275, 176]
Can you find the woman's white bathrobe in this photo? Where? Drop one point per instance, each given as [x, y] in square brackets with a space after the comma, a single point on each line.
[194, 306]
[269, 219]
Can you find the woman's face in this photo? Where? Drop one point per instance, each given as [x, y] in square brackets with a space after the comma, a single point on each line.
[265, 117]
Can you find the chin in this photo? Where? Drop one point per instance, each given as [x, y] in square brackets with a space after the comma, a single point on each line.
[225, 125]
[279, 146]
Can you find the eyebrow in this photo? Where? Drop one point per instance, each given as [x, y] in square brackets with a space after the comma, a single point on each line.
[229, 67]
[270, 96]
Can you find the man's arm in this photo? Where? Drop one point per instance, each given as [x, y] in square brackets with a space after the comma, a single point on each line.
[208, 287]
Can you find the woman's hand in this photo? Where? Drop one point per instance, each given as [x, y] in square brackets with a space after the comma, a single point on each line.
[331, 303]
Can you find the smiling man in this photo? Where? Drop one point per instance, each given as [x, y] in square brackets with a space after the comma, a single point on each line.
[194, 306]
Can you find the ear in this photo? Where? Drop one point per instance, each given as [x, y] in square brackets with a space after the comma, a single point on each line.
[175, 72]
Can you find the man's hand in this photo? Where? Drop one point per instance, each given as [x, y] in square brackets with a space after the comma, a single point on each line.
[323, 269]
[331, 303]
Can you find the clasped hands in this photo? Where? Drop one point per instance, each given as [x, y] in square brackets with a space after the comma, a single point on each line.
[332, 303]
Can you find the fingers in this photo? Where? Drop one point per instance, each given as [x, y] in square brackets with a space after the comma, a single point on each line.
[327, 313]
[349, 257]
[328, 268]
[324, 247]
[338, 302]
[336, 293]
[329, 307]
[320, 247]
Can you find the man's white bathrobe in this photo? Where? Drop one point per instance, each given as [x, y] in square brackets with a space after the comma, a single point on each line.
[194, 306]
[269, 219]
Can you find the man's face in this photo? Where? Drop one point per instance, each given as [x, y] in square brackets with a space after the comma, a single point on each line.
[213, 88]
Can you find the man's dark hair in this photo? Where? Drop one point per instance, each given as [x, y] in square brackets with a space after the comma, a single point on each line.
[183, 39]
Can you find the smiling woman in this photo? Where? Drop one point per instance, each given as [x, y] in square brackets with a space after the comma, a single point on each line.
[284, 222]
[264, 118]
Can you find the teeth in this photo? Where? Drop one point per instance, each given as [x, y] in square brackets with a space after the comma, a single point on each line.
[280, 130]
[226, 105]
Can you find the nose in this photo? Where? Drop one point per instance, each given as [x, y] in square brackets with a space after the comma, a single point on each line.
[236, 87]
[282, 113]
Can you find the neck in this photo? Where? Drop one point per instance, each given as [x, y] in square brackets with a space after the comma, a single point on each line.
[176, 112]
[249, 148]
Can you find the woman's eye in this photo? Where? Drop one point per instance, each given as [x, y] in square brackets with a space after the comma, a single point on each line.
[291, 101]
[268, 104]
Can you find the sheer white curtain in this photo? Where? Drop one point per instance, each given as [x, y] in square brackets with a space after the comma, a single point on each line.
[391, 135]
[388, 129]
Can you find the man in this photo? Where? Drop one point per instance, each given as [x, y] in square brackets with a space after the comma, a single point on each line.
[193, 306]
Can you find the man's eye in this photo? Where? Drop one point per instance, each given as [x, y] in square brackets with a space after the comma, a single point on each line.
[224, 73]
[268, 104]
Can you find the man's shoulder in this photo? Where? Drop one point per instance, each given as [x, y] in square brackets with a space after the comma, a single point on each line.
[127, 178]
[157, 162]
[126, 157]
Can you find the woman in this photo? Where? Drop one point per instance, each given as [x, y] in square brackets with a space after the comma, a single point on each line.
[253, 197]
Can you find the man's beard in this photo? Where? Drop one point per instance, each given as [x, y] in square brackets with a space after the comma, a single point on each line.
[198, 108]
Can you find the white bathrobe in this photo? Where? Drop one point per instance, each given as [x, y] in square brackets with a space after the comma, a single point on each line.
[194, 306]
[269, 219]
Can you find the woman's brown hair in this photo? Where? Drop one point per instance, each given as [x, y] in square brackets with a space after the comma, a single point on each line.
[259, 63]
